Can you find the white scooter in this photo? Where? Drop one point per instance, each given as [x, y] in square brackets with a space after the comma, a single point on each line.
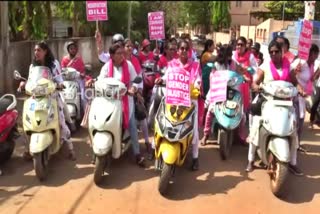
[277, 133]
[40, 118]
[105, 124]
[72, 97]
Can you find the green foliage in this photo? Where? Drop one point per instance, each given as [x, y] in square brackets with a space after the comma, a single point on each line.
[293, 10]
[220, 14]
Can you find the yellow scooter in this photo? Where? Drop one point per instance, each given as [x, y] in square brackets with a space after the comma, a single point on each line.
[40, 118]
[173, 135]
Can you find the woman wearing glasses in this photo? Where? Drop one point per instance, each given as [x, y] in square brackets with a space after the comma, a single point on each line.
[277, 69]
[244, 61]
[195, 73]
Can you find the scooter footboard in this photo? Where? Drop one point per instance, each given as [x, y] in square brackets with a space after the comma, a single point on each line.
[102, 143]
[280, 148]
[40, 141]
[170, 152]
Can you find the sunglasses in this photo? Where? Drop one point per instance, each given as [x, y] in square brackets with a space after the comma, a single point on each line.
[184, 48]
[240, 44]
[274, 52]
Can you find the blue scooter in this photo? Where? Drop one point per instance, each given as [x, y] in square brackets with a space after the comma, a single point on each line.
[228, 114]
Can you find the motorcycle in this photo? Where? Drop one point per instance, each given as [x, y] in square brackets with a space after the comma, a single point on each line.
[8, 126]
[105, 124]
[150, 69]
[159, 94]
[72, 97]
[228, 114]
[277, 133]
[40, 118]
[173, 136]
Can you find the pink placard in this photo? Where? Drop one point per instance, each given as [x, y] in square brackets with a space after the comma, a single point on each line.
[305, 40]
[97, 10]
[156, 25]
[218, 86]
[178, 87]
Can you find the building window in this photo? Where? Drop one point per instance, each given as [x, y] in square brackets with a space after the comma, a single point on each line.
[255, 4]
[238, 3]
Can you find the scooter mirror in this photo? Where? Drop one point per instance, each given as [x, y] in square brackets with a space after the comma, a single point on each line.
[17, 75]
[137, 80]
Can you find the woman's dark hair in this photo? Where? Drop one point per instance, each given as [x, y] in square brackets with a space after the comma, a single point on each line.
[207, 45]
[48, 58]
[183, 41]
[224, 52]
[173, 40]
[276, 44]
[314, 49]
[114, 47]
[242, 40]
[286, 42]
[166, 47]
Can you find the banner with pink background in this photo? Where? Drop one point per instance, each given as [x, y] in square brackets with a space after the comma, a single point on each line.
[96, 10]
[156, 25]
[305, 39]
[218, 86]
[178, 87]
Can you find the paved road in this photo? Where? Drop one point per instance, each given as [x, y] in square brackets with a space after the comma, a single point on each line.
[219, 186]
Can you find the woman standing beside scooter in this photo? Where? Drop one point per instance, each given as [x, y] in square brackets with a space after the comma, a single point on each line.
[128, 52]
[44, 57]
[306, 73]
[244, 61]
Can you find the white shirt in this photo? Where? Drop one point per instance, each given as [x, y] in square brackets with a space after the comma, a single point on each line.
[117, 74]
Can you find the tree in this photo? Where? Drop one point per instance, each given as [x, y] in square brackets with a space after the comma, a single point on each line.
[220, 15]
[293, 10]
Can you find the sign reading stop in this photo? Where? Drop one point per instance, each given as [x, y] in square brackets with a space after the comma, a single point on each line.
[96, 10]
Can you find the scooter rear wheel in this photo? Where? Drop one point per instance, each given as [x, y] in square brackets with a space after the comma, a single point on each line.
[165, 176]
[99, 169]
[40, 163]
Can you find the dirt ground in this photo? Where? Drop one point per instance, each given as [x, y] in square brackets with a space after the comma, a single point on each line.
[219, 186]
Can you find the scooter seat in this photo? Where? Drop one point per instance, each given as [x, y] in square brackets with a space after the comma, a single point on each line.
[4, 104]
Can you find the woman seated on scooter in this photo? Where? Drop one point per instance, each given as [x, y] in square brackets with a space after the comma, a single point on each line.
[43, 57]
[278, 68]
[223, 62]
[123, 70]
[194, 68]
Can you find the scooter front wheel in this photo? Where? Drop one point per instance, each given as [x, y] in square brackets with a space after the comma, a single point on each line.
[278, 176]
[165, 176]
[99, 169]
[225, 142]
[40, 163]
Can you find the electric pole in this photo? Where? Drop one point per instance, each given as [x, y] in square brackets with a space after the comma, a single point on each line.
[4, 44]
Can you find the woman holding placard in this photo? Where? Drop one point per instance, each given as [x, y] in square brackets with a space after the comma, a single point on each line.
[306, 72]
[184, 62]
[246, 62]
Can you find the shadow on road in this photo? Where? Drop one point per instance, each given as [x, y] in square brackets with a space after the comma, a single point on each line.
[19, 174]
[213, 176]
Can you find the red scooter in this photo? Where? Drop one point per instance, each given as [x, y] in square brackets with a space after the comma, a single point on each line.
[8, 126]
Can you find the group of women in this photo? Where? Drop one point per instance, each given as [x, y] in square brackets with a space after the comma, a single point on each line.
[121, 63]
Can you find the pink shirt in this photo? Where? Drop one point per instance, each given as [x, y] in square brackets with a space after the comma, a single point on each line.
[76, 63]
